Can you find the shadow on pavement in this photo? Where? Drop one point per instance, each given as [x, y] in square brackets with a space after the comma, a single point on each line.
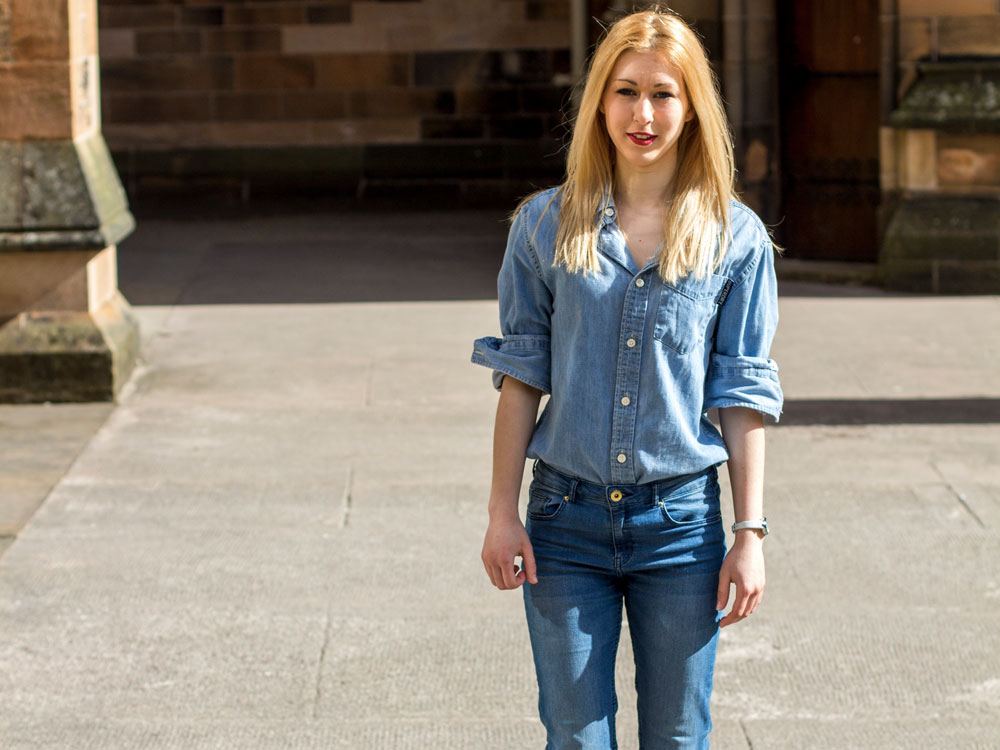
[890, 411]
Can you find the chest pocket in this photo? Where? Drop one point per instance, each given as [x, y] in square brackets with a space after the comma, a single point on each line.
[686, 310]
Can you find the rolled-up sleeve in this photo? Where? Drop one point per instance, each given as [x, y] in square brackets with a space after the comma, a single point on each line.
[740, 372]
[525, 311]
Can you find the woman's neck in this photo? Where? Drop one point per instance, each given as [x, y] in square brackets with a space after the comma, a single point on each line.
[643, 190]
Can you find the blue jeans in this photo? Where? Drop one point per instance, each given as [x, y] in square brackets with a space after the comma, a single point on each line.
[655, 548]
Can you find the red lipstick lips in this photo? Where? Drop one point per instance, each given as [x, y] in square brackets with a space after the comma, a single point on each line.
[641, 139]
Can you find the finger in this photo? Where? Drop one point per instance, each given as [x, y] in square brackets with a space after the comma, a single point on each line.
[722, 595]
[489, 572]
[508, 573]
[729, 619]
[741, 603]
[530, 569]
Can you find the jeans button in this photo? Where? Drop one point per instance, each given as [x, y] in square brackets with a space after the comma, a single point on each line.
[616, 495]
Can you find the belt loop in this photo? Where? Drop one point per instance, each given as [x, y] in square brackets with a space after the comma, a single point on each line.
[572, 489]
[534, 468]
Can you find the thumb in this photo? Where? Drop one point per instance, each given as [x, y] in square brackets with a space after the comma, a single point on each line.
[528, 558]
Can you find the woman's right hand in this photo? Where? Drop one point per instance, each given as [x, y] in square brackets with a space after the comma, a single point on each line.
[507, 539]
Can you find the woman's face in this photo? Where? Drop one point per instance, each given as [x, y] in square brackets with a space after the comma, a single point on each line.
[645, 107]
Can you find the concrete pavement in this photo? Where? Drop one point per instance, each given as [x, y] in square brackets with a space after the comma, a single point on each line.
[272, 540]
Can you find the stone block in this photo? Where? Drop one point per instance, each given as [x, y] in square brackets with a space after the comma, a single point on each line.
[386, 102]
[161, 107]
[35, 101]
[10, 184]
[415, 161]
[68, 356]
[55, 280]
[914, 38]
[924, 234]
[40, 29]
[117, 43]
[517, 127]
[66, 281]
[545, 99]
[957, 96]
[211, 16]
[187, 73]
[547, 10]
[969, 35]
[136, 17]
[244, 106]
[6, 50]
[83, 29]
[918, 165]
[951, 8]
[762, 106]
[452, 127]
[264, 15]
[329, 13]
[274, 72]
[320, 39]
[491, 101]
[242, 40]
[85, 99]
[170, 42]
[972, 160]
[55, 192]
[70, 197]
[760, 41]
[273, 133]
[358, 71]
[370, 130]
[314, 105]
[466, 69]
[159, 136]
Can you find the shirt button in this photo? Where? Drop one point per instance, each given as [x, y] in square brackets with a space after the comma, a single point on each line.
[640, 283]
[621, 458]
[626, 401]
[609, 211]
[630, 343]
[616, 495]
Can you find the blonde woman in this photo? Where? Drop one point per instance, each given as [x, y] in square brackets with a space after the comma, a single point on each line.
[640, 293]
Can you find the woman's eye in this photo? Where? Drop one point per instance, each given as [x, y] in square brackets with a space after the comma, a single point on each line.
[663, 95]
[625, 92]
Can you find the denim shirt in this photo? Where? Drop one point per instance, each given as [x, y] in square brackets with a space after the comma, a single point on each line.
[632, 363]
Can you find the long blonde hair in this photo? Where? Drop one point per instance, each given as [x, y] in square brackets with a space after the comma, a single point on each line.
[697, 218]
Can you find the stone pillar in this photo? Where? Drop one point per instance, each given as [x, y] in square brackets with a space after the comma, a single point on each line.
[66, 333]
[940, 141]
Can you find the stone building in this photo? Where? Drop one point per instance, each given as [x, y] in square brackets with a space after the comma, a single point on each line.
[866, 130]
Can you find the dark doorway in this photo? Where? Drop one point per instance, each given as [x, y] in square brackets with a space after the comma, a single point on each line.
[829, 108]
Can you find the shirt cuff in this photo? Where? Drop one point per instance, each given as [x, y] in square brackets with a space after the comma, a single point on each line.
[749, 382]
[524, 357]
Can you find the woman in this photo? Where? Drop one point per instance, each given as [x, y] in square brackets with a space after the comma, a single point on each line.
[639, 294]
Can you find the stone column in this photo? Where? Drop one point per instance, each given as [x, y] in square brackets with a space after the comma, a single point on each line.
[66, 333]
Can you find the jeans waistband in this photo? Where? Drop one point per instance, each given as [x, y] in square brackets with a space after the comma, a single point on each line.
[579, 489]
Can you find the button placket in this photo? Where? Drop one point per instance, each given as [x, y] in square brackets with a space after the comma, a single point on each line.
[627, 380]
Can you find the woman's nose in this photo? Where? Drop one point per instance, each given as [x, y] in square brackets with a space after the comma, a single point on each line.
[643, 110]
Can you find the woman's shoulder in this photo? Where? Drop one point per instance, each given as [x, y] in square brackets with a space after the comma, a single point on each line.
[540, 206]
[749, 239]
[536, 220]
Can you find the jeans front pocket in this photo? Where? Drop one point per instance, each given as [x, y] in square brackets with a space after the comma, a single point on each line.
[695, 503]
[685, 311]
[544, 504]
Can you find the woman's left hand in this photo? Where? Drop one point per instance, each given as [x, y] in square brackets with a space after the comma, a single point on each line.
[744, 567]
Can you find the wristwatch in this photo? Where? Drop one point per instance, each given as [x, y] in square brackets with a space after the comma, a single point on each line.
[761, 524]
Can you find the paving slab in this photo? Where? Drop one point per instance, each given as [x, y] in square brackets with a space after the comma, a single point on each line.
[272, 540]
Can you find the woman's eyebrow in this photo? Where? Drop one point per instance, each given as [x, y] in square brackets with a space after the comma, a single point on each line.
[655, 85]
